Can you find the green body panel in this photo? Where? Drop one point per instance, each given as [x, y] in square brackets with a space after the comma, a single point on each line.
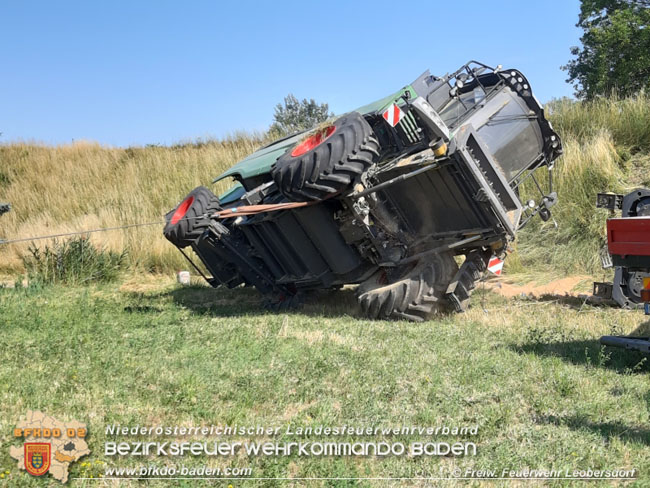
[260, 161]
[381, 105]
[234, 193]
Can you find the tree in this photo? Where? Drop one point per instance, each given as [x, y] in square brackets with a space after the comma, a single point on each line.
[615, 52]
[294, 115]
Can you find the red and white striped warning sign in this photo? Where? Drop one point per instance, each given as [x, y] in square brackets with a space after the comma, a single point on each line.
[393, 115]
[495, 265]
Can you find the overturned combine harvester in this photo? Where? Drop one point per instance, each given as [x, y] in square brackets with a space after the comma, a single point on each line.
[385, 197]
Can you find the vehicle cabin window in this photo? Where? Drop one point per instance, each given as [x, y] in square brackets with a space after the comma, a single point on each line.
[453, 112]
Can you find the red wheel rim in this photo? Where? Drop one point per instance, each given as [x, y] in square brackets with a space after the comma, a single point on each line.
[313, 141]
[182, 210]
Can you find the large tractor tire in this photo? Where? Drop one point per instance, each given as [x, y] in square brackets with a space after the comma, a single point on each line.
[327, 162]
[469, 274]
[415, 295]
[191, 218]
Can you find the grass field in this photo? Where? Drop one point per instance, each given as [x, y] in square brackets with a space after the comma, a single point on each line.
[87, 186]
[529, 373]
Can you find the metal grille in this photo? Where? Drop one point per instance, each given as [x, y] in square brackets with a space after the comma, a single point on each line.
[408, 129]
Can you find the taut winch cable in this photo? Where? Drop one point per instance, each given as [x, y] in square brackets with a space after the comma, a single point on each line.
[241, 211]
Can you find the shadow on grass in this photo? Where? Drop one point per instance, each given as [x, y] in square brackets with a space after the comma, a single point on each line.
[574, 302]
[607, 430]
[204, 300]
[587, 353]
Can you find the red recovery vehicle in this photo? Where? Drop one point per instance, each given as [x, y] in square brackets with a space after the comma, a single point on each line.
[628, 244]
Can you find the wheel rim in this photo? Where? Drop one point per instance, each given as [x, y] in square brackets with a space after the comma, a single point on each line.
[313, 141]
[181, 210]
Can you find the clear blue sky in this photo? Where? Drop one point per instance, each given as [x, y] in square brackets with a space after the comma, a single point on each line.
[136, 72]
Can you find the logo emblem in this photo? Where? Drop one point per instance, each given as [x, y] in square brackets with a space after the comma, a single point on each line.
[37, 457]
[50, 446]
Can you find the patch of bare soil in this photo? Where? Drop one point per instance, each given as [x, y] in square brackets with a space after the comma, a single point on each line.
[562, 287]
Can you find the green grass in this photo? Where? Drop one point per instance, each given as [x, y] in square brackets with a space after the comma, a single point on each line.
[529, 373]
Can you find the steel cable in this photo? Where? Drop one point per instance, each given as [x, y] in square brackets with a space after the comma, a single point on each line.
[244, 210]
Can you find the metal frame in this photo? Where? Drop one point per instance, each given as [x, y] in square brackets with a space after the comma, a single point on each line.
[628, 242]
[641, 344]
[488, 187]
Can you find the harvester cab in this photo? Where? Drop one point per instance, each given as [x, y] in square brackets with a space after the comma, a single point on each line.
[506, 116]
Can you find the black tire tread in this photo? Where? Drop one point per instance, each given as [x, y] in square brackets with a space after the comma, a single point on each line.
[331, 167]
[470, 276]
[196, 221]
[414, 297]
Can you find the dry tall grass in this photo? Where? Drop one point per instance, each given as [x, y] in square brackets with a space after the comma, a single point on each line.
[588, 166]
[84, 185]
[605, 149]
[626, 119]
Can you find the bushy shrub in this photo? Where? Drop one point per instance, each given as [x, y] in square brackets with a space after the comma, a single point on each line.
[74, 261]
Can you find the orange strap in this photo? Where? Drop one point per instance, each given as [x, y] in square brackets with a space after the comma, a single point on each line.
[258, 209]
